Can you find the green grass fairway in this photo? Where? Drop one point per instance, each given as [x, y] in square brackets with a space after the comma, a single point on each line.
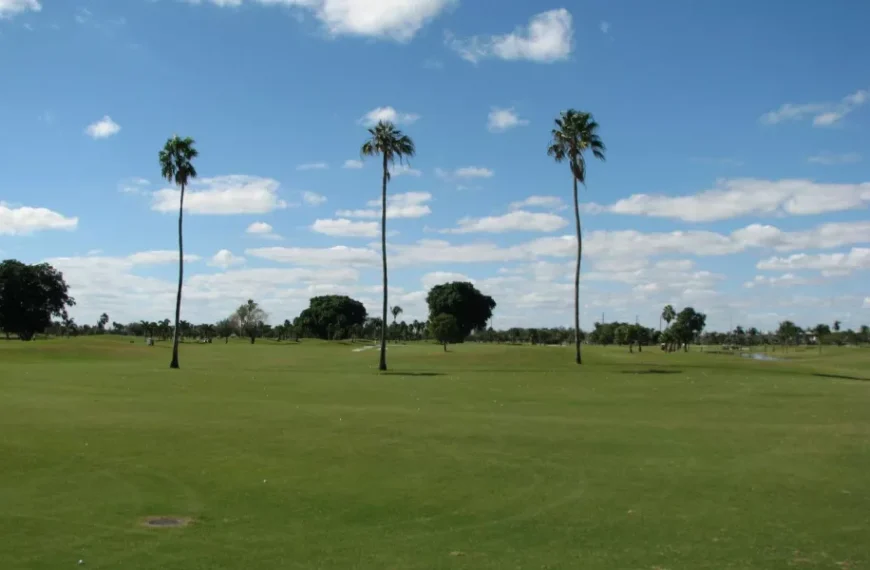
[487, 457]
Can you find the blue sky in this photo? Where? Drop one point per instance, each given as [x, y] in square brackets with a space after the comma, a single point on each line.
[736, 179]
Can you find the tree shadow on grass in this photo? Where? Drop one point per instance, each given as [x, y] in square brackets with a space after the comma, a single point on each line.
[841, 377]
[653, 371]
[419, 374]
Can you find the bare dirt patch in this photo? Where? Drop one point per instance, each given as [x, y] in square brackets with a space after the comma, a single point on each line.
[166, 522]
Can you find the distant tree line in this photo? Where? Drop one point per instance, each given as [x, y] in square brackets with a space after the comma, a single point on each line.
[34, 299]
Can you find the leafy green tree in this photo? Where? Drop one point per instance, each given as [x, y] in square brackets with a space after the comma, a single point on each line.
[249, 320]
[688, 325]
[331, 312]
[576, 133]
[445, 329]
[391, 144]
[176, 166]
[29, 296]
[837, 326]
[101, 324]
[787, 332]
[224, 329]
[471, 308]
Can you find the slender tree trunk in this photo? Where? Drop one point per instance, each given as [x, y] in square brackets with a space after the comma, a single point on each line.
[445, 347]
[175, 335]
[577, 276]
[383, 363]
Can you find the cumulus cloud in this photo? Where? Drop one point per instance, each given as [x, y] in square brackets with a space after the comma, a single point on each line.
[353, 164]
[339, 255]
[407, 205]
[858, 258]
[822, 114]
[435, 278]
[398, 20]
[225, 259]
[829, 158]
[547, 38]
[133, 186]
[464, 173]
[313, 198]
[785, 280]
[9, 8]
[747, 197]
[25, 220]
[403, 170]
[346, 228]
[501, 120]
[262, 230]
[223, 195]
[516, 221]
[103, 129]
[545, 202]
[388, 114]
[159, 257]
[313, 166]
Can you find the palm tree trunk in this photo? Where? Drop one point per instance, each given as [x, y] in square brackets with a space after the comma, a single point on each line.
[383, 363]
[577, 276]
[174, 363]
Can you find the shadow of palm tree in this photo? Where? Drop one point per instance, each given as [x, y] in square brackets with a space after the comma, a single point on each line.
[420, 374]
[841, 377]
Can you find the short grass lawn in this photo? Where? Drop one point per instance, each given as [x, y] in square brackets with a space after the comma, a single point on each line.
[485, 457]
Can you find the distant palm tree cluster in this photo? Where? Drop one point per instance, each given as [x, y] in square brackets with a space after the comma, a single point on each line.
[575, 134]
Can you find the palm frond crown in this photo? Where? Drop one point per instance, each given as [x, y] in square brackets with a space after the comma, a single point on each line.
[576, 132]
[176, 160]
[388, 141]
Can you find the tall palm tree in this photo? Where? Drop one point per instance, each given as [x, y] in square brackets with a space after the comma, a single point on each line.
[389, 142]
[576, 132]
[176, 166]
[396, 311]
[669, 314]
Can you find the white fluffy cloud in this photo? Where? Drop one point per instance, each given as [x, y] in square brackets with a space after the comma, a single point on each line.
[225, 259]
[133, 186]
[353, 164]
[545, 202]
[407, 205]
[829, 158]
[823, 114]
[335, 256]
[313, 198]
[398, 20]
[404, 170]
[747, 197]
[516, 221]
[25, 220]
[159, 257]
[388, 114]
[785, 280]
[9, 8]
[346, 228]
[434, 278]
[263, 230]
[500, 120]
[464, 173]
[547, 38]
[234, 194]
[829, 264]
[313, 166]
[103, 129]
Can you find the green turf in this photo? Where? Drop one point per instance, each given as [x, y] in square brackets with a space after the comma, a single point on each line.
[487, 457]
